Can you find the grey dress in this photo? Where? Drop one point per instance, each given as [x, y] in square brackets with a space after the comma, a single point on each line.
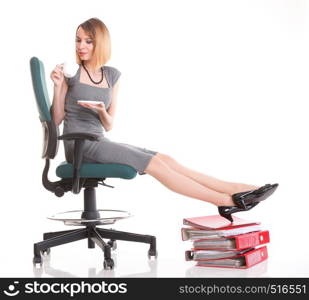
[81, 119]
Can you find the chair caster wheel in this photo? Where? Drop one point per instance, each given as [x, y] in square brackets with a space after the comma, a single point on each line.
[108, 264]
[113, 244]
[46, 252]
[37, 260]
[152, 253]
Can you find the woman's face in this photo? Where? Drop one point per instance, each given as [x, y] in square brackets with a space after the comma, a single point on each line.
[83, 45]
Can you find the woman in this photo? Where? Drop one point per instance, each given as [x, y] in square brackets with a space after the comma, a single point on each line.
[96, 81]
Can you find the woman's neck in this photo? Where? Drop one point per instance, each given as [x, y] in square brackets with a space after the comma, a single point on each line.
[91, 68]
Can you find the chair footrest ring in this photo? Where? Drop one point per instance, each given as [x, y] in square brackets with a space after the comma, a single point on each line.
[106, 217]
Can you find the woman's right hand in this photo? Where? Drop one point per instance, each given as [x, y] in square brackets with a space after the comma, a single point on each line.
[57, 75]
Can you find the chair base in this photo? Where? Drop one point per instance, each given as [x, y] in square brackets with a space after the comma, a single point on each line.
[95, 236]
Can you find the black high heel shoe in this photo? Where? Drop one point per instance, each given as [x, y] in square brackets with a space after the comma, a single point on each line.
[247, 200]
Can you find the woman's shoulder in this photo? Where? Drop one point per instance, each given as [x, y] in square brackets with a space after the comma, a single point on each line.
[113, 73]
[111, 69]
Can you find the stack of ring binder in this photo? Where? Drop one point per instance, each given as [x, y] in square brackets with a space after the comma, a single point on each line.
[218, 243]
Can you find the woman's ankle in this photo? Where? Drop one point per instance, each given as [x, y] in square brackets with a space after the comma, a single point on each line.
[226, 200]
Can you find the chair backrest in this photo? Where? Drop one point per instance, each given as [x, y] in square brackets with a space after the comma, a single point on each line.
[50, 130]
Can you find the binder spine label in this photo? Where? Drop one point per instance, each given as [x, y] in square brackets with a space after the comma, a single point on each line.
[247, 241]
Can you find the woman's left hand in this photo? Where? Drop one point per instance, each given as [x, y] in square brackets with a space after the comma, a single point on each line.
[97, 107]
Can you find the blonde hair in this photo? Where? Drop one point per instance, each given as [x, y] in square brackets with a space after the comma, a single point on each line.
[99, 33]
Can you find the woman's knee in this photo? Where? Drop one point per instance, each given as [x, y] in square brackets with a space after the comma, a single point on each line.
[165, 157]
[155, 164]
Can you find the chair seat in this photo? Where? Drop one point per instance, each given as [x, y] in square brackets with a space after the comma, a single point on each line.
[87, 170]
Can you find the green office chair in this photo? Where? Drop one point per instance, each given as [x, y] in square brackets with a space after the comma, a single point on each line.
[75, 177]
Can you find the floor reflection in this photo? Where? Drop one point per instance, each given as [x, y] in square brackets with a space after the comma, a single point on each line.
[255, 271]
[48, 270]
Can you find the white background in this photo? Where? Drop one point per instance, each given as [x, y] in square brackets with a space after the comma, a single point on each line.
[221, 86]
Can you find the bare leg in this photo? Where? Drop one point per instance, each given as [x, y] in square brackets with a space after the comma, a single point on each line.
[208, 181]
[184, 185]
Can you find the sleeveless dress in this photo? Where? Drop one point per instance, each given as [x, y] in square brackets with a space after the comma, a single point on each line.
[81, 119]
